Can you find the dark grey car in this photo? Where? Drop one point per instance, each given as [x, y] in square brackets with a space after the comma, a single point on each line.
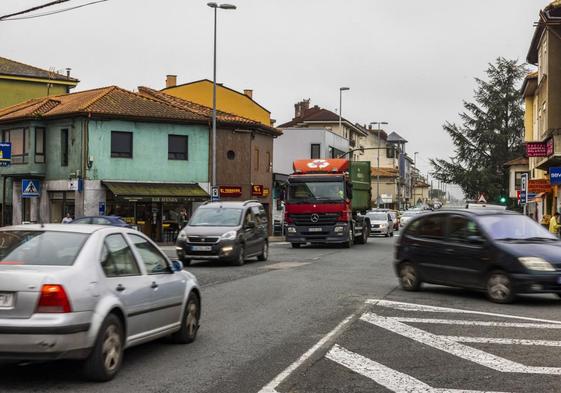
[232, 231]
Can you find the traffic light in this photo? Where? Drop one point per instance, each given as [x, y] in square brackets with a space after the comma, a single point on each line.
[502, 200]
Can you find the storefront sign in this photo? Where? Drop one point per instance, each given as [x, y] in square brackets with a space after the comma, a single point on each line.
[555, 175]
[230, 191]
[536, 149]
[5, 154]
[215, 194]
[30, 188]
[549, 147]
[538, 186]
[266, 192]
[257, 190]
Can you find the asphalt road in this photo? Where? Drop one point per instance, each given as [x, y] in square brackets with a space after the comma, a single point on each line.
[327, 319]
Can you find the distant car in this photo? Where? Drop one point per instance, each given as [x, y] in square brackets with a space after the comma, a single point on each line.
[380, 223]
[407, 215]
[88, 292]
[231, 231]
[102, 220]
[499, 252]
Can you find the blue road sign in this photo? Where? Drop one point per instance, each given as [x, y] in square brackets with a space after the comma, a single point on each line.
[30, 188]
[5, 154]
[555, 175]
[101, 208]
[215, 194]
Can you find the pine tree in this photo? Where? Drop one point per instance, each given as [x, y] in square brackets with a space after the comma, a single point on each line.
[491, 134]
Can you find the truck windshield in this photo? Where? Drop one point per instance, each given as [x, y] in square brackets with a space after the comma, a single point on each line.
[316, 191]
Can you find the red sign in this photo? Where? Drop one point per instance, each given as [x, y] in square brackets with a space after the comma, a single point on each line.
[536, 149]
[539, 185]
[230, 191]
[257, 190]
[549, 147]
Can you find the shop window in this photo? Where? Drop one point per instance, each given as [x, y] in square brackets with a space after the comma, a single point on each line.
[315, 151]
[39, 145]
[18, 137]
[178, 147]
[121, 144]
[64, 147]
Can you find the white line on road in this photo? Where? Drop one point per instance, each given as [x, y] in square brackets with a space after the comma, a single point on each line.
[425, 308]
[272, 386]
[389, 378]
[477, 323]
[502, 341]
[462, 351]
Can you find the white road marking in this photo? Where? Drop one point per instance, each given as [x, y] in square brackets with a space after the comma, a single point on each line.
[424, 308]
[454, 348]
[503, 341]
[272, 386]
[477, 323]
[390, 379]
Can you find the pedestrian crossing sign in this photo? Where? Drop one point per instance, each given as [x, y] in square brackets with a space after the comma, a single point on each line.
[30, 188]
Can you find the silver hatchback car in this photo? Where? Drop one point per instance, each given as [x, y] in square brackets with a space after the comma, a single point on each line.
[88, 292]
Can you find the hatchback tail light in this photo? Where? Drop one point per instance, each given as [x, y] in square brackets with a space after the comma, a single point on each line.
[53, 299]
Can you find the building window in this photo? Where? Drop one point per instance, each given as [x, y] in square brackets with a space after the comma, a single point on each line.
[335, 153]
[64, 147]
[178, 147]
[315, 151]
[18, 137]
[390, 152]
[39, 145]
[231, 154]
[121, 144]
[256, 164]
[269, 163]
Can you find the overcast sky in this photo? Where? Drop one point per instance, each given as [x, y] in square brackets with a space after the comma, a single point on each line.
[407, 62]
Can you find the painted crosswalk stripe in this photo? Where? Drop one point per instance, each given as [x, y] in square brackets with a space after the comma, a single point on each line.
[523, 325]
[454, 348]
[389, 378]
[503, 341]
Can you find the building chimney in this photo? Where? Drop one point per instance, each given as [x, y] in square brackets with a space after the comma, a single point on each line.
[68, 72]
[249, 93]
[171, 80]
[301, 107]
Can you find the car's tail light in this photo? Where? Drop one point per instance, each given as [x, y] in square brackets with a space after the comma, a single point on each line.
[53, 299]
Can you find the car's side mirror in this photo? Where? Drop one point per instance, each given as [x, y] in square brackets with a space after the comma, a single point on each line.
[476, 240]
[176, 266]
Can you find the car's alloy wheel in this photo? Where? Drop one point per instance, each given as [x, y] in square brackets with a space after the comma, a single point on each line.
[240, 260]
[264, 253]
[107, 355]
[408, 277]
[499, 287]
[190, 321]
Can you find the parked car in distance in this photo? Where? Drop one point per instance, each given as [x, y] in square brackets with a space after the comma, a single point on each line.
[88, 292]
[102, 220]
[499, 252]
[231, 231]
[407, 215]
[380, 223]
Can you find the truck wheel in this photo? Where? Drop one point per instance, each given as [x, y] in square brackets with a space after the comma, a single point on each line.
[363, 238]
[349, 243]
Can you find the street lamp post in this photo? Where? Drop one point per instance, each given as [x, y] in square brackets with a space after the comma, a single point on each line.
[341, 90]
[216, 7]
[379, 123]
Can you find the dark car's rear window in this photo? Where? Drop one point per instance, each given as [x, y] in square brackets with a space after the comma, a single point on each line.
[40, 247]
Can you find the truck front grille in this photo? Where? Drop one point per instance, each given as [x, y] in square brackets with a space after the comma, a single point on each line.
[321, 219]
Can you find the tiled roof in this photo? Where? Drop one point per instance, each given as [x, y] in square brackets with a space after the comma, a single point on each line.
[14, 68]
[221, 117]
[107, 101]
[317, 114]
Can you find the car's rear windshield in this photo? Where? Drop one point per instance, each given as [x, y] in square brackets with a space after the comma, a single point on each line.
[216, 217]
[40, 247]
[378, 216]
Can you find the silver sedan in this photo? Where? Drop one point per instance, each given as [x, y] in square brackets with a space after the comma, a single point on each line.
[88, 292]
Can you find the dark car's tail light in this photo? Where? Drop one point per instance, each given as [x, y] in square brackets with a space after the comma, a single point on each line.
[53, 299]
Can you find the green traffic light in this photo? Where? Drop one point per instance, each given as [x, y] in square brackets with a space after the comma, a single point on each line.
[503, 199]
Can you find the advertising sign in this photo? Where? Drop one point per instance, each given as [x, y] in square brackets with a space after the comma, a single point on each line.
[5, 153]
[555, 175]
[214, 195]
[230, 191]
[549, 147]
[536, 149]
[30, 188]
[539, 185]
[257, 190]
[524, 188]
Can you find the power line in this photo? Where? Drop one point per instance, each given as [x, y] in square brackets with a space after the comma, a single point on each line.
[53, 12]
[34, 8]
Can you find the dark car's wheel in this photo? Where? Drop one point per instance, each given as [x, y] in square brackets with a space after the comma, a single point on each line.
[107, 355]
[409, 277]
[264, 252]
[189, 321]
[240, 259]
[185, 261]
[295, 245]
[499, 287]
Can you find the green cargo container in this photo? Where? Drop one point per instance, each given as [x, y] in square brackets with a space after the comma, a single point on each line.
[361, 181]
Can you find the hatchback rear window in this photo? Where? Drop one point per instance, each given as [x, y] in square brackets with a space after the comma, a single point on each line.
[40, 247]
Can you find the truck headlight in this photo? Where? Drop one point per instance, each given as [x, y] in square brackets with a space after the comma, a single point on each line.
[536, 264]
[291, 230]
[339, 229]
[231, 235]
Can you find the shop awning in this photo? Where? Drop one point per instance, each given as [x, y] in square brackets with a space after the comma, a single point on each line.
[157, 192]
